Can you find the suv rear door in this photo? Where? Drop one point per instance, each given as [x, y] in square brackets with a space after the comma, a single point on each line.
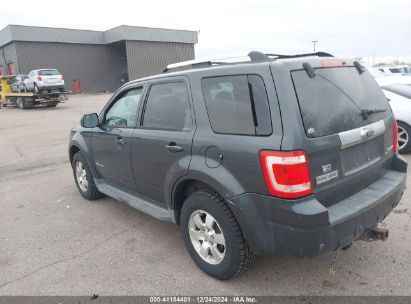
[161, 144]
[345, 126]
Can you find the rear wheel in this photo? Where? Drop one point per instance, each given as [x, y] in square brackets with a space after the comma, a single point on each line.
[84, 178]
[20, 103]
[404, 133]
[213, 237]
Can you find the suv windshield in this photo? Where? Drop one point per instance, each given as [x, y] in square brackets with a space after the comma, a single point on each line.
[48, 72]
[338, 99]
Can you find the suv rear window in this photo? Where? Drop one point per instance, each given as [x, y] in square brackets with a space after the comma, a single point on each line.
[237, 105]
[332, 101]
[48, 72]
[168, 107]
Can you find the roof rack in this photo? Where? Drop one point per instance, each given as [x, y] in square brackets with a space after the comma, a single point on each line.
[319, 54]
[253, 56]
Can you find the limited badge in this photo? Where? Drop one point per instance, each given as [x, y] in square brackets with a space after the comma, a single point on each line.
[326, 177]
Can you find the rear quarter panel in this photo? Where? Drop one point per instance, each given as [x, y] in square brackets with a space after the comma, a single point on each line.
[240, 169]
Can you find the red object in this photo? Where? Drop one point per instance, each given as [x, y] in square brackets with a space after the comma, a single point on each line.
[62, 78]
[395, 137]
[286, 174]
[332, 63]
[76, 86]
[39, 78]
[11, 68]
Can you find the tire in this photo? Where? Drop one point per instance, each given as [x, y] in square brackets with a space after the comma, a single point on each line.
[20, 103]
[404, 137]
[36, 88]
[225, 238]
[87, 187]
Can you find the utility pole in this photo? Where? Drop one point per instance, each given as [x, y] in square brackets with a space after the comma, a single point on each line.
[314, 42]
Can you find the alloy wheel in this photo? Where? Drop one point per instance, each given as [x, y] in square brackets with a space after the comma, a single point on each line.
[81, 176]
[403, 137]
[207, 237]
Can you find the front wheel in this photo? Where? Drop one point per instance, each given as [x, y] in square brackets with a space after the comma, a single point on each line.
[84, 179]
[404, 133]
[213, 237]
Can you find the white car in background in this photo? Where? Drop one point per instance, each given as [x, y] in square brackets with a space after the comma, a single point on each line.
[44, 80]
[401, 69]
[387, 79]
[399, 97]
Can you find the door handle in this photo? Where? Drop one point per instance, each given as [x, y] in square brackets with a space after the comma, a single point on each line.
[121, 141]
[172, 147]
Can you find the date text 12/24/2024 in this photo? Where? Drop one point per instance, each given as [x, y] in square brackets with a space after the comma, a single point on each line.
[203, 299]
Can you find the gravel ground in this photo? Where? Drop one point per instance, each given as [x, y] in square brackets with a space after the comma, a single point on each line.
[53, 242]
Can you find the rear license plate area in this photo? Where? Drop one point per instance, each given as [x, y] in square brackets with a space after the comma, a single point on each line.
[363, 155]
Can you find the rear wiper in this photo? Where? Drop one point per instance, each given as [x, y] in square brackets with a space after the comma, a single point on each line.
[366, 112]
[363, 112]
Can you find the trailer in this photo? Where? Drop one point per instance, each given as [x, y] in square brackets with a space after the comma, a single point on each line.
[26, 100]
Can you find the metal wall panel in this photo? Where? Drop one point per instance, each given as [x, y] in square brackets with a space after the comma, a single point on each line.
[8, 54]
[96, 66]
[5, 35]
[125, 32]
[149, 58]
[49, 34]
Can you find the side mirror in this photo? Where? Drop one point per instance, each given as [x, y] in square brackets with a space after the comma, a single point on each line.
[89, 120]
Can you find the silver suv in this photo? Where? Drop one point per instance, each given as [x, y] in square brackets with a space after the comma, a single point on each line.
[44, 79]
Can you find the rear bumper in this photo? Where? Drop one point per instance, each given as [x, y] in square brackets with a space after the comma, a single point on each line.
[51, 87]
[305, 228]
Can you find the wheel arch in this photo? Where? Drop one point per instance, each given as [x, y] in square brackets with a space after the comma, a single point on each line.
[79, 144]
[73, 150]
[403, 122]
[191, 183]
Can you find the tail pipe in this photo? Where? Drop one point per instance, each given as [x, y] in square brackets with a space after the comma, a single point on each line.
[375, 234]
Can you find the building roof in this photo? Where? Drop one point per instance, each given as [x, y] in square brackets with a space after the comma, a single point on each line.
[123, 32]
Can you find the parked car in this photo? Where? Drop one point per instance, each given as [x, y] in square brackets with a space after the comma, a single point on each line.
[18, 84]
[389, 78]
[293, 155]
[44, 80]
[401, 69]
[399, 96]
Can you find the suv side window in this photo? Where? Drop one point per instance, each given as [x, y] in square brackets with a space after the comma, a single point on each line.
[168, 107]
[123, 113]
[237, 104]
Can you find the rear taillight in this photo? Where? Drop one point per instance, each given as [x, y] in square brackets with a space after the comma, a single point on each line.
[395, 137]
[286, 174]
[62, 78]
[39, 78]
